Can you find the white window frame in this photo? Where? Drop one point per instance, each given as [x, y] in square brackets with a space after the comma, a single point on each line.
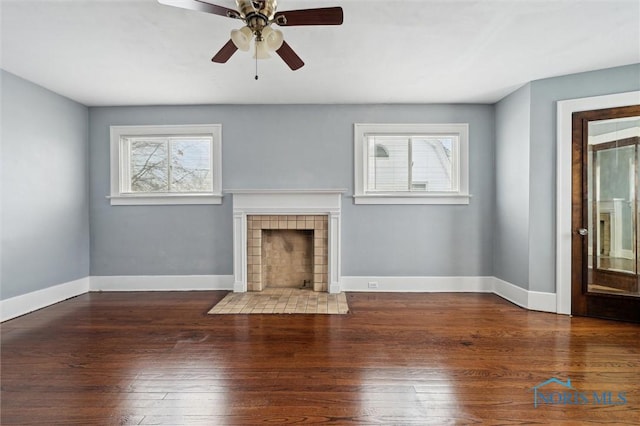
[120, 163]
[460, 167]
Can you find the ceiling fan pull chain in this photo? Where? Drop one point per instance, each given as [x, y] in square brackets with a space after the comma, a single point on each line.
[256, 60]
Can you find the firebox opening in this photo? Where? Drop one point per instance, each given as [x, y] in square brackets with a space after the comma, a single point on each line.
[303, 251]
[287, 258]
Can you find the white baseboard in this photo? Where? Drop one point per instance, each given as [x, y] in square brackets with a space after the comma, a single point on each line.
[418, 284]
[161, 282]
[540, 301]
[511, 292]
[20, 305]
[25, 303]
[533, 300]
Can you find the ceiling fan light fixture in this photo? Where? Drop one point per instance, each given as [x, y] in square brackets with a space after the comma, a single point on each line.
[273, 38]
[242, 38]
[262, 50]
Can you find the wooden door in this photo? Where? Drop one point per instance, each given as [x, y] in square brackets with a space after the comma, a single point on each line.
[605, 214]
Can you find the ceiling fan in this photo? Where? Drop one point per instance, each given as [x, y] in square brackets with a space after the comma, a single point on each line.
[258, 15]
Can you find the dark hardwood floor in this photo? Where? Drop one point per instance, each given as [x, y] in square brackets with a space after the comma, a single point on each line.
[396, 359]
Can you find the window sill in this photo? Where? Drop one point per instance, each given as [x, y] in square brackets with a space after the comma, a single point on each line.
[411, 199]
[164, 199]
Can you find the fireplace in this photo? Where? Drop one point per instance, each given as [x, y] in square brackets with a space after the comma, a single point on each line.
[282, 219]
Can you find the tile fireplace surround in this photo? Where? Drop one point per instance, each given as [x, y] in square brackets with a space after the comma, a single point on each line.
[257, 258]
[316, 210]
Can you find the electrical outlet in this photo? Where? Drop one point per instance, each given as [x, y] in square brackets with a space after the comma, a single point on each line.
[373, 284]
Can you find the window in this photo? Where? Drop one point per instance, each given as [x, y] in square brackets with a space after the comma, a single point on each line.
[166, 164]
[411, 163]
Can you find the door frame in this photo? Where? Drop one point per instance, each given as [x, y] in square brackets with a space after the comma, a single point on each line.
[564, 231]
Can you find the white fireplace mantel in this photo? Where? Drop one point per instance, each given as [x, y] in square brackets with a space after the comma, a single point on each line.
[285, 202]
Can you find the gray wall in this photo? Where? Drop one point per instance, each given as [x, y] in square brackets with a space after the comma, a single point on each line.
[526, 159]
[45, 209]
[294, 146]
[511, 225]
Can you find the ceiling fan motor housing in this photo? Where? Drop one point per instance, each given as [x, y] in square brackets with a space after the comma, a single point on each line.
[256, 22]
[267, 8]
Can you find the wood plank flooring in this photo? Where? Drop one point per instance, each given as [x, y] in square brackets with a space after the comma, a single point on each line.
[396, 359]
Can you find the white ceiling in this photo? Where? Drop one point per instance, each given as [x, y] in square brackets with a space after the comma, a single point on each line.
[139, 52]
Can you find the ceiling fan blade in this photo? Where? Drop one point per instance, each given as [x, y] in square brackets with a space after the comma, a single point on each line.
[289, 56]
[320, 16]
[202, 6]
[225, 53]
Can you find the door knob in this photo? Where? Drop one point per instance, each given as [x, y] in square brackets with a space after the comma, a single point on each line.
[583, 231]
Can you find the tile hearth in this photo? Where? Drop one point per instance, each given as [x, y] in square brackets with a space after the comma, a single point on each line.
[282, 301]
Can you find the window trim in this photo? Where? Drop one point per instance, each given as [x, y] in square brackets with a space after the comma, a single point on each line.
[362, 196]
[119, 198]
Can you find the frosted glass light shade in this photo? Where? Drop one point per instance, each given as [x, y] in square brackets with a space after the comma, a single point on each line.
[242, 38]
[273, 38]
[262, 50]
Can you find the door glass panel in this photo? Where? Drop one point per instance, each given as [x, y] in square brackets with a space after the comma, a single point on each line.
[612, 184]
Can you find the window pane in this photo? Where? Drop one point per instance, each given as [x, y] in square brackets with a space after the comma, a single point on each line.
[388, 172]
[191, 165]
[431, 167]
[149, 166]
